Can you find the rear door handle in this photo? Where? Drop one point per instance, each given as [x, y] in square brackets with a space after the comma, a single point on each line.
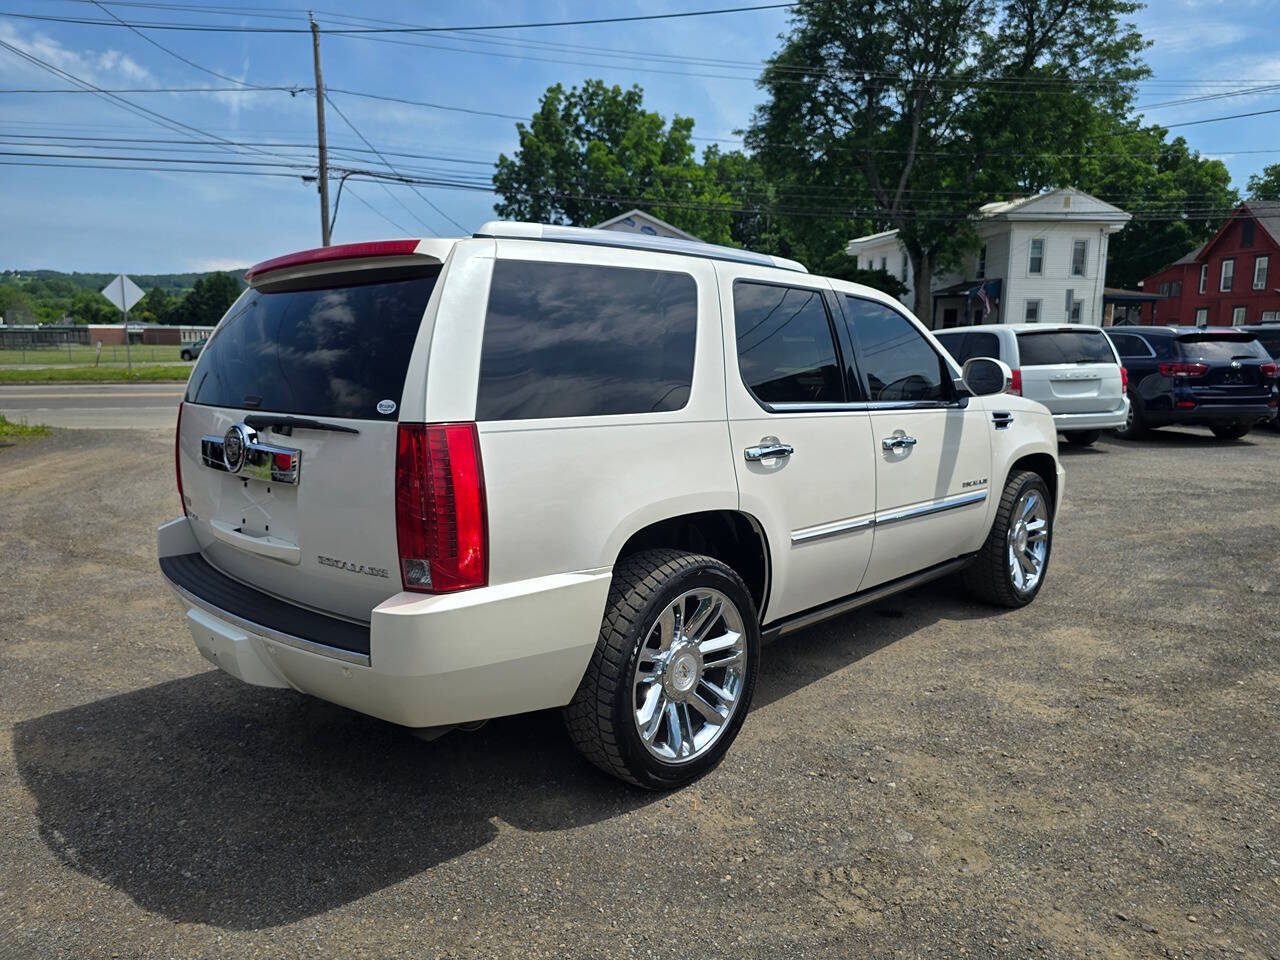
[899, 442]
[767, 449]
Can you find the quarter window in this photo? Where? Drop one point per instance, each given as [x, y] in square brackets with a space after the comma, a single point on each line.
[1260, 272]
[578, 340]
[786, 352]
[1035, 262]
[1228, 275]
[1129, 345]
[1079, 257]
[898, 362]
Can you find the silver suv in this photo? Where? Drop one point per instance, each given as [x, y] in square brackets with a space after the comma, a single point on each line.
[1073, 370]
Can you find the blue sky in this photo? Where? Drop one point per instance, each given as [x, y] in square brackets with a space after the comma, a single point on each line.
[144, 222]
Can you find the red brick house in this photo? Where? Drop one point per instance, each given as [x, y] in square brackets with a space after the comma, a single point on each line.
[1233, 279]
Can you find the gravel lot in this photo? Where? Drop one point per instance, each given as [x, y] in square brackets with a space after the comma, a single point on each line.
[1095, 775]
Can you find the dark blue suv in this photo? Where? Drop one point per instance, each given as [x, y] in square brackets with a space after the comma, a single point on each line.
[1195, 376]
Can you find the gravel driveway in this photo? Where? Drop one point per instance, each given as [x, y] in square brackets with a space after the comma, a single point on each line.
[1095, 775]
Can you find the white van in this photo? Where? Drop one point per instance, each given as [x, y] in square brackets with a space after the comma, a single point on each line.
[1073, 370]
[439, 481]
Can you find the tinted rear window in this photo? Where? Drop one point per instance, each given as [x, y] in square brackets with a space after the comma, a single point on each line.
[786, 350]
[1064, 346]
[331, 352]
[1208, 347]
[576, 340]
[966, 346]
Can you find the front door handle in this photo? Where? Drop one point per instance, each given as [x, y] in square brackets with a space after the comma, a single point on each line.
[899, 442]
[767, 449]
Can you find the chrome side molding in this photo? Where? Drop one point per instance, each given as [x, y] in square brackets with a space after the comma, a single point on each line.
[822, 531]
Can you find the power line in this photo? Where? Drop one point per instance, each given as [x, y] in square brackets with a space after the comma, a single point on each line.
[217, 28]
[366, 203]
[421, 195]
[1234, 116]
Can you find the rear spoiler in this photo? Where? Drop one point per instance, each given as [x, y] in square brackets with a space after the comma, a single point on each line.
[348, 256]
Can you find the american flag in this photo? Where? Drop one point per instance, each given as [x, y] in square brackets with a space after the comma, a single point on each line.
[986, 301]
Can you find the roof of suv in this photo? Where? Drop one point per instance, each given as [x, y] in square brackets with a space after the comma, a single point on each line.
[519, 230]
[1147, 331]
[1025, 328]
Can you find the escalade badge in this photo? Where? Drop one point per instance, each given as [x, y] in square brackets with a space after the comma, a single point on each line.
[233, 447]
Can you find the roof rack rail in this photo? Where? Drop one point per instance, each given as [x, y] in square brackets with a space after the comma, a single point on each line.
[518, 230]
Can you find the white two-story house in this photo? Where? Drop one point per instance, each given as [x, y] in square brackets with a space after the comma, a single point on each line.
[1041, 259]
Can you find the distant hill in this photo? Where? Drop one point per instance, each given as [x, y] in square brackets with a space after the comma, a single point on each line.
[52, 296]
[174, 284]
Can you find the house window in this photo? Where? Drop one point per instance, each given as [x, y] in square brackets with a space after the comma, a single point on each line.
[1204, 277]
[1202, 317]
[1076, 307]
[1270, 316]
[1032, 312]
[982, 262]
[1175, 289]
[1079, 257]
[1164, 289]
[884, 264]
[1246, 233]
[1237, 316]
[1035, 262]
[1260, 272]
[1228, 275]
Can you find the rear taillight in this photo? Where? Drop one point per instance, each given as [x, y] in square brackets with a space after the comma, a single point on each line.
[177, 459]
[1124, 380]
[440, 509]
[1185, 404]
[1269, 369]
[1016, 385]
[1184, 370]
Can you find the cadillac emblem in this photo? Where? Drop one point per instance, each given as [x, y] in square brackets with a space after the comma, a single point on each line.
[234, 445]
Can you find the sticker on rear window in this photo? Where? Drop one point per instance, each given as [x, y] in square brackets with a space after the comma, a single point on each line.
[386, 406]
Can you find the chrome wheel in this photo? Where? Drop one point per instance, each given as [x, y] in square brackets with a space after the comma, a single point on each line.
[689, 675]
[1028, 540]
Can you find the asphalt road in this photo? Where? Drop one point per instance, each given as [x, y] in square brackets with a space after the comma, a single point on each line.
[1093, 776]
[99, 406]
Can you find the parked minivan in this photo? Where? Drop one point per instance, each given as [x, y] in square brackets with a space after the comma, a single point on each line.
[1073, 370]
[439, 481]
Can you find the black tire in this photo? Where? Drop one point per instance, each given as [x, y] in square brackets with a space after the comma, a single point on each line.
[186, 354]
[1231, 431]
[1082, 438]
[599, 718]
[1136, 426]
[988, 577]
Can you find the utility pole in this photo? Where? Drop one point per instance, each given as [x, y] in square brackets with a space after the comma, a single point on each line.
[323, 178]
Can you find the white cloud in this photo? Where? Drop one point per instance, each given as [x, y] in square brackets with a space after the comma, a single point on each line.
[96, 66]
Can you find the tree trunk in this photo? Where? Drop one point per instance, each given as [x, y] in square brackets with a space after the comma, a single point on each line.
[922, 276]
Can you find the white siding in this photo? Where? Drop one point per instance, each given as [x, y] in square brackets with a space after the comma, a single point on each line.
[1051, 287]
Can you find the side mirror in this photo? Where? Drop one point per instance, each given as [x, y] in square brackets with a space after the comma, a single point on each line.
[985, 377]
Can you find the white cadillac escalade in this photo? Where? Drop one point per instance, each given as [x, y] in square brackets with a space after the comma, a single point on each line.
[439, 481]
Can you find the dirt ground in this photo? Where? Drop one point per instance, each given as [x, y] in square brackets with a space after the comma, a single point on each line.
[1093, 776]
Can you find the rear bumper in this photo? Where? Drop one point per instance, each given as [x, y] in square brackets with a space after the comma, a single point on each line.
[430, 661]
[1210, 414]
[1100, 420]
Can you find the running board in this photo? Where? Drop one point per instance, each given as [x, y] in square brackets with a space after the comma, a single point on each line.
[808, 618]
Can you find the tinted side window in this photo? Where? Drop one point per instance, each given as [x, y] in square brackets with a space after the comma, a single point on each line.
[898, 362]
[1270, 339]
[786, 353]
[576, 340]
[966, 346]
[1128, 345]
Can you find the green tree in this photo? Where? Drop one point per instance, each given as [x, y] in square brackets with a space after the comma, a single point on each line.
[156, 307]
[908, 114]
[207, 301]
[594, 152]
[1265, 185]
[1178, 199]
